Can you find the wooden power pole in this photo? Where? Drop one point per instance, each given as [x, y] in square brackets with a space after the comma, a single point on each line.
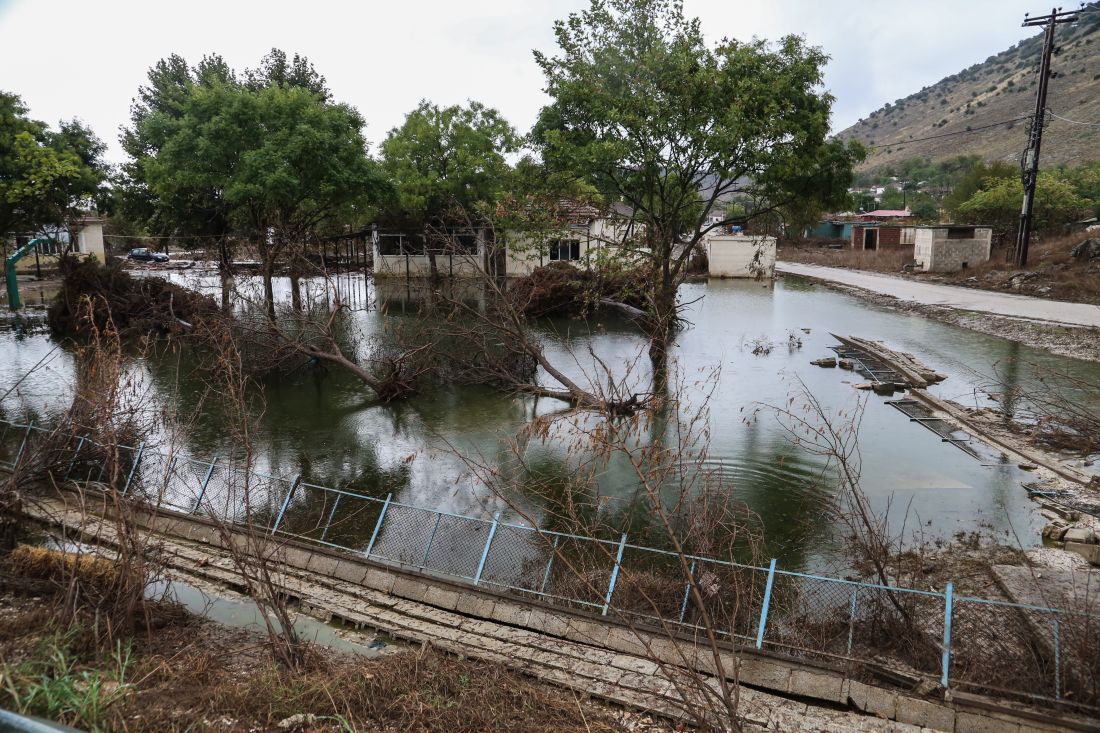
[1030, 164]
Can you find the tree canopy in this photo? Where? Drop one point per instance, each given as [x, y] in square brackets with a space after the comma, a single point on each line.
[46, 176]
[998, 204]
[443, 159]
[653, 116]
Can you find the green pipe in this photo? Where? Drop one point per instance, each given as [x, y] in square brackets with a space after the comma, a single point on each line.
[9, 271]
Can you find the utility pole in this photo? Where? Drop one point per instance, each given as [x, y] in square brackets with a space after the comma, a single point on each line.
[1030, 163]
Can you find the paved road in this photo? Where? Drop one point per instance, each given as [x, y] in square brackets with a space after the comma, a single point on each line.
[982, 301]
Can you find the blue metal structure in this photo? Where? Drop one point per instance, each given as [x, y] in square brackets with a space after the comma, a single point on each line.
[516, 558]
[14, 303]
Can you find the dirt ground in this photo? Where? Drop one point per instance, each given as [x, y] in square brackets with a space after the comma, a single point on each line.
[186, 673]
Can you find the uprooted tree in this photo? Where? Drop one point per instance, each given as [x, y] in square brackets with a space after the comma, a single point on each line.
[650, 114]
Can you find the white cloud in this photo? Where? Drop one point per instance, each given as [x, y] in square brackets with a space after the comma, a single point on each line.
[87, 60]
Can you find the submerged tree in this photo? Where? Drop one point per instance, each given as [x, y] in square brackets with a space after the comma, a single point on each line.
[270, 159]
[654, 117]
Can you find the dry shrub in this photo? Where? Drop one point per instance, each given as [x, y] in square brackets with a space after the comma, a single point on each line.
[562, 289]
[878, 260]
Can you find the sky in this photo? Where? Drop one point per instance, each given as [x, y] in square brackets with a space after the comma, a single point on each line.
[87, 59]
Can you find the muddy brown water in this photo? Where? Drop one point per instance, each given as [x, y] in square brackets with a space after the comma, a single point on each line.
[326, 427]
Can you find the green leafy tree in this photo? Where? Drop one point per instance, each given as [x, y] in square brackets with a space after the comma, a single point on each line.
[998, 205]
[46, 177]
[445, 166]
[272, 159]
[643, 108]
[979, 176]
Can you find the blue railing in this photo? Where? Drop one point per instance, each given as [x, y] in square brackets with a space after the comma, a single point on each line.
[990, 644]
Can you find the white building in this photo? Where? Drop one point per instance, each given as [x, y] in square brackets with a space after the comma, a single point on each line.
[951, 248]
[83, 238]
[740, 255]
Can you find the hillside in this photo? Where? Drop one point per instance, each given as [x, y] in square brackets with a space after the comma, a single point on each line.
[999, 89]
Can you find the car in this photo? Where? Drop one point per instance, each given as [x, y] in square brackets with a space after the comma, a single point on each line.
[143, 254]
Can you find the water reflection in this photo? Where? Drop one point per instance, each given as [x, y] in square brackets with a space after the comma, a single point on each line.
[324, 426]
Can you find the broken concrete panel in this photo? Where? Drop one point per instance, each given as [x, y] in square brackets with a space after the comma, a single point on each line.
[1089, 552]
[350, 571]
[1079, 534]
[472, 604]
[441, 597]
[511, 614]
[925, 713]
[827, 362]
[322, 564]
[379, 580]
[874, 700]
[764, 673]
[966, 722]
[821, 685]
[409, 588]
[548, 622]
[588, 632]
[297, 557]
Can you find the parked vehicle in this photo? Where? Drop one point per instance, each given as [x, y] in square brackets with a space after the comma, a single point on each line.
[143, 254]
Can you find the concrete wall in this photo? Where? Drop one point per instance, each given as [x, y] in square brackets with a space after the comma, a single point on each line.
[740, 255]
[936, 251]
[598, 236]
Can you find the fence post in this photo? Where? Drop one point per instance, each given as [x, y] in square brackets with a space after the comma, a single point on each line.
[331, 514]
[431, 539]
[687, 592]
[485, 550]
[852, 620]
[23, 445]
[72, 461]
[946, 664]
[764, 608]
[614, 574]
[286, 503]
[378, 524]
[205, 483]
[1057, 660]
[549, 564]
[133, 468]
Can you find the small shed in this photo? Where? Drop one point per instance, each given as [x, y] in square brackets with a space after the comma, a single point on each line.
[870, 235]
[740, 255]
[951, 247]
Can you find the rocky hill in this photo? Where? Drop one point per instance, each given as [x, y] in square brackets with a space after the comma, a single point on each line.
[998, 90]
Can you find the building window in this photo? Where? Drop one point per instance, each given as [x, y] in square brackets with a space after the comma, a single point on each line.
[565, 249]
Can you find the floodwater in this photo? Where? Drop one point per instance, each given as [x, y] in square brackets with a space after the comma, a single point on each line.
[325, 426]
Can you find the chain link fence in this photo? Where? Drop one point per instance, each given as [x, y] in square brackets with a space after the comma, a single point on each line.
[986, 645]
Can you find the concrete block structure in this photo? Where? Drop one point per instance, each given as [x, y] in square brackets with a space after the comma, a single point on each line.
[740, 255]
[951, 248]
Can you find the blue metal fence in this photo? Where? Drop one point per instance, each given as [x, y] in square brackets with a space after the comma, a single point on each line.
[959, 641]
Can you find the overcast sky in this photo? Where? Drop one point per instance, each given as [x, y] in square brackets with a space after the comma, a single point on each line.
[87, 59]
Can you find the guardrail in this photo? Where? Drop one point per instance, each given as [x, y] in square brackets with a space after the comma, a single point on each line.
[1034, 652]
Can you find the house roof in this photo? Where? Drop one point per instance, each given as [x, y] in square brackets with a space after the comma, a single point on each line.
[887, 213]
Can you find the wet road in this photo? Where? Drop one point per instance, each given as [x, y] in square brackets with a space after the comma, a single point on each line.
[982, 301]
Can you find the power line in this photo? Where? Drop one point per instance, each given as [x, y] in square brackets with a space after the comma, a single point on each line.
[967, 131]
[1075, 122]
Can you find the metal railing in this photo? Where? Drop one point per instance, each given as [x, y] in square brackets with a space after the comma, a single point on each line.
[1027, 651]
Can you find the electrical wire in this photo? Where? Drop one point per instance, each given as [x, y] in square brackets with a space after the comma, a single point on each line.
[1075, 122]
[949, 134]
